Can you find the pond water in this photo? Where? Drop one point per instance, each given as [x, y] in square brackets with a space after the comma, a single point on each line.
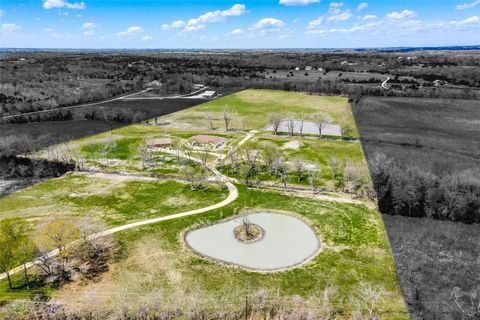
[287, 242]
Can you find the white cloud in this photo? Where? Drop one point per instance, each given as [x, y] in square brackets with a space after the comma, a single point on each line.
[236, 10]
[174, 25]
[297, 2]
[266, 23]
[369, 17]
[334, 7]
[10, 27]
[316, 23]
[147, 38]
[50, 4]
[132, 31]
[195, 24]
[405, 14]
[336, 13]
[412, 27]
[195, 27]
[236, 31]
[90, 25]
[342, 16]
[362, 6]
[471, 20]
[466, 6]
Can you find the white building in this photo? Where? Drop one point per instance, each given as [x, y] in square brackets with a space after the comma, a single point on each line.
[209, 94]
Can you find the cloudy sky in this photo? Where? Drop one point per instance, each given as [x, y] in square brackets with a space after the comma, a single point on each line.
[238, 24]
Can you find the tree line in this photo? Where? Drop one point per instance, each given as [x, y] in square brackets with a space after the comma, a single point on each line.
[414, 192]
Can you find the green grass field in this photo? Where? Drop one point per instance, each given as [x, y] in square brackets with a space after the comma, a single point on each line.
[105, 200]
[250, 108]
[355, 252]
[155, 261]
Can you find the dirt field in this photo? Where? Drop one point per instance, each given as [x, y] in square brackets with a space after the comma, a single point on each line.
[432, 257]
[421, 132]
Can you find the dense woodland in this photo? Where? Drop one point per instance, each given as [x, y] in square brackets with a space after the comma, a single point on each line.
[43, 81]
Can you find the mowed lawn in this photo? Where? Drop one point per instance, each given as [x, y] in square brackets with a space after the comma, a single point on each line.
[355, 253]
[105, 200]
[250, 108]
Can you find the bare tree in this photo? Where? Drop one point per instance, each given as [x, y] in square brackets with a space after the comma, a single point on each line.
[177, 146]
[290, 122]
[227, 118]
[320, 119]
[275, 119]
[346, 129]
[271, 156]
[301, 122]
[247, 224]
[283, 172]
[249, 169]
[209, 118]
[299, 166]
[205, 153]
[313, 176]
[232, 155]
[45, 263]
[189, 174]
[145, 155]
[336, 167]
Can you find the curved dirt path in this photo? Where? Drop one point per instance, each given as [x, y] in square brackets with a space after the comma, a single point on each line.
[232, 196]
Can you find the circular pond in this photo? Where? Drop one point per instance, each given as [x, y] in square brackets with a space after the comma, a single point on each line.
[287, 242]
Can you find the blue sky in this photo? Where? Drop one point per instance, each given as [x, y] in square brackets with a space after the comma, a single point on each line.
[238, 24]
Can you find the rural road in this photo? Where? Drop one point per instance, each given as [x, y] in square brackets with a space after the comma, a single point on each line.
[232, 196]
[193, 94]
[384, 83]
[125, 97]
[76, 106]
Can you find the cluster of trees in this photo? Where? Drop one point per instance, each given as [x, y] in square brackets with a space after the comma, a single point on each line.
[295, 124]
[269, 161]
[414, 192]
[364, 304]
[77, 257]
[15, 161]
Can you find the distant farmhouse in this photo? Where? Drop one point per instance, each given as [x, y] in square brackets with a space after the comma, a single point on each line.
[202, 139]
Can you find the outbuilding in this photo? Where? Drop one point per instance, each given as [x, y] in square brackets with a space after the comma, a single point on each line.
[159, 143]
[209, 94]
